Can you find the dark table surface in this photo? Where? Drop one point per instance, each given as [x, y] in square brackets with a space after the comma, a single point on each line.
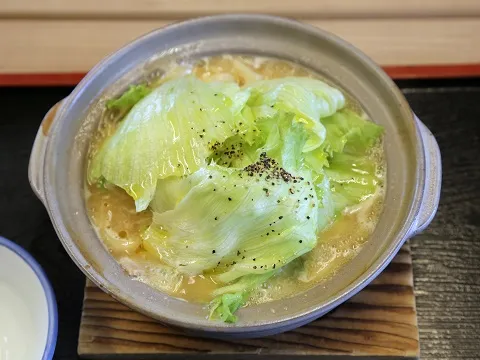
[446, 256]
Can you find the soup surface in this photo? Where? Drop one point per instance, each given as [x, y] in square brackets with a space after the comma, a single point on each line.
[122, 228]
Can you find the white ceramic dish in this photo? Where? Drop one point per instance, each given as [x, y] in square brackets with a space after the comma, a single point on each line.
[28, 310]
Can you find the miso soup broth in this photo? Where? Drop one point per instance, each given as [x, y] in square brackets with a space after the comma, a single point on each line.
[122, 228]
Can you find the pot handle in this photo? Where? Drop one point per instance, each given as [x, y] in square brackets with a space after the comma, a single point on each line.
[37, 157]
[433, 178]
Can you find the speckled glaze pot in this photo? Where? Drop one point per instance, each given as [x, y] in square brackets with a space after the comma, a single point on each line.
[57, 163]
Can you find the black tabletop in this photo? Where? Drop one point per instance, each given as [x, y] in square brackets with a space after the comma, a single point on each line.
[446, 256]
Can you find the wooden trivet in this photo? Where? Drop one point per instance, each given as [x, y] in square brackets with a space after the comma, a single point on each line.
[379, 321]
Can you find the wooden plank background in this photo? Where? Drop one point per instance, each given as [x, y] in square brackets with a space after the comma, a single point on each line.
[300, 8]
[379, 321]
[59, 37]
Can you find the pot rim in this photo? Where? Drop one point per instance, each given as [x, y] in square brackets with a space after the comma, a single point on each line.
[292, 320]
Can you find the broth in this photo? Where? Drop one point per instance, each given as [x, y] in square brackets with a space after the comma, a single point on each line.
[112, 211]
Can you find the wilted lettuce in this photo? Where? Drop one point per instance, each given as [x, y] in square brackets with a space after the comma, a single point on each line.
[169, 132]
[129, 98]
[310, 100]
[236, 222]
[240, 180]
[229, 298]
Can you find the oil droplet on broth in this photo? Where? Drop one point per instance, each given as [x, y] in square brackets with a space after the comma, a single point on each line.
[120, 227]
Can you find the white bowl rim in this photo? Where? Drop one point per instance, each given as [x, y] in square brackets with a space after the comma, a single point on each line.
[52, 332]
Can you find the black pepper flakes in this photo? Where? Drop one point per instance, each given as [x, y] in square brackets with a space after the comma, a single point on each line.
[229, 199]
[213, 251]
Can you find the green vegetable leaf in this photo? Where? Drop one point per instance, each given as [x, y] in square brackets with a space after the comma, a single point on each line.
[285, 139]
[133, 95]
[346, 129]
[344, 159]
[225, 306]
[231, 297]
[309, 99]
[280, 137]
[245, 283]
[353, 179]
[170, 132]
[237, 222]
[326, 210]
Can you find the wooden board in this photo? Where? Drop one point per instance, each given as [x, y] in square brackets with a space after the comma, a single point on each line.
[56, 42]
[66, 46]
[167, 8]
[379, 321]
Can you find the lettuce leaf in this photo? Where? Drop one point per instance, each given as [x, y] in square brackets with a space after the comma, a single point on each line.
[348, 131]
[224, 306]
[343, 172]
[326, 209]
[353, 179]
[240, 180]
[285, 139]
[237, 222]
[310, 100]
[133, 95]
[280, 137]
[231, 297]
[170, 132]
[343, 162]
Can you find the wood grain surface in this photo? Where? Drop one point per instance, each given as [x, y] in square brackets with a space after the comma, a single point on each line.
[380, 320]
[326, 9]
[65, 46]
[70, 37]
[446, 258]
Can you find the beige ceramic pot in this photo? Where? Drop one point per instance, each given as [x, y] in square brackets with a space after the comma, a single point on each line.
[58, 157]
